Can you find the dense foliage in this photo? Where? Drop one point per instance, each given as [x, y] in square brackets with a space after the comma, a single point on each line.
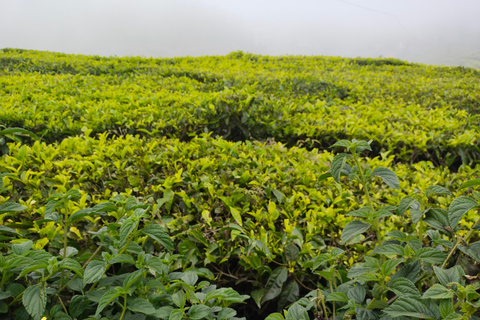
[229, 187]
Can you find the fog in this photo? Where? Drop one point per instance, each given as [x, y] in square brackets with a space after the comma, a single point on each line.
[426, 31]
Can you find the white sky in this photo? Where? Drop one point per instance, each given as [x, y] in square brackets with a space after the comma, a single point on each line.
[430, 31]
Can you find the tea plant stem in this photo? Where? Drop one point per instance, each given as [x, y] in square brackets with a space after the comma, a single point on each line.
[333, 302]
[459, 240]
[63, 305]
[124, 306]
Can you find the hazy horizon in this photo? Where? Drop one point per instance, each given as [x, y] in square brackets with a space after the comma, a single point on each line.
[425, 31]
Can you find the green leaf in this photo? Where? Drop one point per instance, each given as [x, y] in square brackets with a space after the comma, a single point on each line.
[257, 296]
[179, 298]
[279, 195]
[336, 167]
[408, 306]
[437, 291]
[275, 316]
[159, 234]
[82, 213]
[337, 296]
[18, 131]
[199, 311]
[141, 305]
[11, 207]
[297, 312]
[352, 229]
[389, 266]
[405, 204]
[131, 279]
[35, 300]
[357, 293]
[438, 218]
[78, 304]
[21, 248]
[473, 250]
[342, 143]
[291, 252]
[71, 264]
[389, 250]
[226, 313]
[470, 183]
[289, 294]
[431, 190]
[176, 314]
[108, 297]
[431, 255]
[447, 276]
[458, 208]
[122, 258]
[190, 278]
[93, 272]
[275, 282]
[403, 286]
[388, 176]
[411, 271]
[128, 226]
[446, 308]
[9, 230]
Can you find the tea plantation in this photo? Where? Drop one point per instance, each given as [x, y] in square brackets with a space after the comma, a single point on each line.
[237, 187]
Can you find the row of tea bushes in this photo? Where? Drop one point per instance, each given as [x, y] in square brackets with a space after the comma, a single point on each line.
[417, 112]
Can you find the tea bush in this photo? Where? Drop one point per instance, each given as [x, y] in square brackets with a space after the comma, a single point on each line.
[230, 187]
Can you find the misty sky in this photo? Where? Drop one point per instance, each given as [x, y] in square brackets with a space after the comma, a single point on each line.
[428, 31]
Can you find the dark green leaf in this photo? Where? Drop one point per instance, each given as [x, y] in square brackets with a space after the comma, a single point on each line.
[431, 190]
[289, 294]
[21, 248]
[35, 300]
[470, 183]
[71, 264]
[389, 250]
[159, 234]
[446, 276]
[337, 165]
[131, 279]
[108, 297]
[179, 298]
[78, 304]
[389, 266]
[275, 282]
[275, 316]
[93, 272]
[408, 306]
[437, 292]
[411, 271]
[458, 208]
[128, 226]
[446, 308]
[11, 207]
[257, 296]
[352, 229]
[472, 250]
[342, 143]
[190, 278]
[337, 296]
[431, 255]
[357, 293]
[388, 176]
[141, 305]
[199, 311]
[8, 230]
[297, 312]
[226, 313]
